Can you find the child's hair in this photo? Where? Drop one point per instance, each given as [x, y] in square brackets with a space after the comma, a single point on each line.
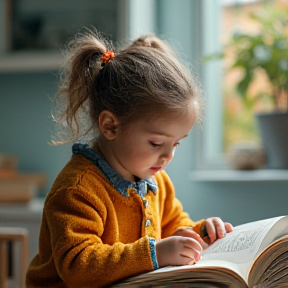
[143, 80]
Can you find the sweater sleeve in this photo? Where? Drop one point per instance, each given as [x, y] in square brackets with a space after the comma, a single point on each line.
[173, 215]
[81, 258]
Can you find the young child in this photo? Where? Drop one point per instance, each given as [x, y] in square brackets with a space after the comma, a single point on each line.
[112, 211]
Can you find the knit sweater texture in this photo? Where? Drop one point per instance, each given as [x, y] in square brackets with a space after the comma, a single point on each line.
[92, 236]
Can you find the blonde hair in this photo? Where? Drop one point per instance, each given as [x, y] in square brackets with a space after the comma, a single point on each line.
[144, 80]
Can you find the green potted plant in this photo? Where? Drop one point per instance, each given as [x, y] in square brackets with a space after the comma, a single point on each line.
[265, 54]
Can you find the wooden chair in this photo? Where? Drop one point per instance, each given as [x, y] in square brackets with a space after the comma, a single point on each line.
[18, 240]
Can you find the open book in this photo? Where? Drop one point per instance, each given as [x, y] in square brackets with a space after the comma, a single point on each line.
[254, 255]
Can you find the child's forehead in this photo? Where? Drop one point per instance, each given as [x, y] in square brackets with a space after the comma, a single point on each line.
[167, 125]
[181, 116]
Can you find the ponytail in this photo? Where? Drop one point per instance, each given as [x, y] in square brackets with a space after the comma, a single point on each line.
[81, 65]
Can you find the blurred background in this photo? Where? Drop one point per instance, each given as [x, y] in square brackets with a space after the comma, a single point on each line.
[32, 34]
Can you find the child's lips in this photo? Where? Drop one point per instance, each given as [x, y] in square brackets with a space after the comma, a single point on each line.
[156, 169]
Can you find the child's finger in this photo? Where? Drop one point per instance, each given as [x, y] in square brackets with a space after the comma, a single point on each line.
[220, 228]
[215, 229]
[228, 227]
[210, 229]
[191, 248]
[189, 232]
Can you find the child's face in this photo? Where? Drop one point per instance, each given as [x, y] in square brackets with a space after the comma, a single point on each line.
[149, 145]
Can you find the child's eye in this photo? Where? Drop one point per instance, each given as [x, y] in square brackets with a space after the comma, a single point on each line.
[156, 144]
[176, 144]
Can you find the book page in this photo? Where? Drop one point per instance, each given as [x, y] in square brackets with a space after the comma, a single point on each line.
[241, 245]
[270, 268]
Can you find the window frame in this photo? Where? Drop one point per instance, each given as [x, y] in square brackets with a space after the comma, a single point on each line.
[208, 139]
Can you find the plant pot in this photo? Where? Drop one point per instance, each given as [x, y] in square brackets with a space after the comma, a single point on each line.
[273, 130]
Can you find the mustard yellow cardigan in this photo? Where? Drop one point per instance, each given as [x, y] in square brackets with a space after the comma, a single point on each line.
[92, 236]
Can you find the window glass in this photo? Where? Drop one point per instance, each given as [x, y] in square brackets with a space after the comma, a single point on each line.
[233, 120]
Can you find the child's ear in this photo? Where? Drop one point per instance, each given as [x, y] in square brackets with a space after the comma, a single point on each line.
[108, 124]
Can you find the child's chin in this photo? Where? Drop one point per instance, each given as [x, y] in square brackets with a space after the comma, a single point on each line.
[153, 172]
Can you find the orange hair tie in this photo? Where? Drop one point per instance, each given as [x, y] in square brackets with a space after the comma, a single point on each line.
[107, 56]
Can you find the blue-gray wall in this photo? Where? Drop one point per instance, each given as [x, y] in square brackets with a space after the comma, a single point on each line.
[26, 125]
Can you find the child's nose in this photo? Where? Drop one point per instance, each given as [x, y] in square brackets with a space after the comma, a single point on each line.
[168, 155]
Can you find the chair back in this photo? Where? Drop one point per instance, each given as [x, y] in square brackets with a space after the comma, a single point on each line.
[14, 257]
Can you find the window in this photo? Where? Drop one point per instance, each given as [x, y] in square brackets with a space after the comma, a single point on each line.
[227, 120]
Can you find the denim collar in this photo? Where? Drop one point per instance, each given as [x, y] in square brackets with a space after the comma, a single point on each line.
[117, 181]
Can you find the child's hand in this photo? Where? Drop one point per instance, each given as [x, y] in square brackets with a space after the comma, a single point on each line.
[214, 228]
[189, 232]
[178, 250]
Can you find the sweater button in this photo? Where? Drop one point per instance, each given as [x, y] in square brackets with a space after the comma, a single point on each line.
[146, 203]
[148, 223]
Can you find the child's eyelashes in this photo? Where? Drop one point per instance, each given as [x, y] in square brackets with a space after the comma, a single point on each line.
[159, 144]
[156, 144]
